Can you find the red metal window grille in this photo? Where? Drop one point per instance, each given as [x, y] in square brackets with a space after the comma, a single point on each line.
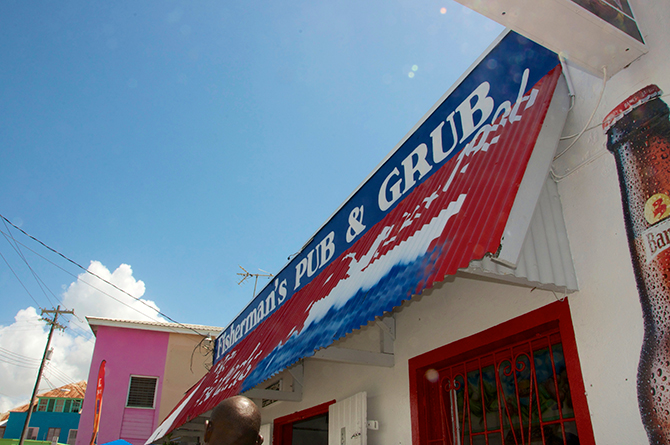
[517, 394]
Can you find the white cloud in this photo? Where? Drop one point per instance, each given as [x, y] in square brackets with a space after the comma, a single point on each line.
[87, 295]
[22, 343]
[22, 340]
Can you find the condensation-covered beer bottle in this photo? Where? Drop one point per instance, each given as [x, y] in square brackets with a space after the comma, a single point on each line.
[638, 134]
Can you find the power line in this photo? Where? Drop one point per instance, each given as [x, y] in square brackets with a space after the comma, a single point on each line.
[49, 382]
[18, 364]
[82, 327]
[82, 281]
[95, 275]
[18, 360]
[9, 353]
[79, 328]
[64, 378]
[60, 373]
[42, 285]
[23, 330]
[17, 277]
[28, 322]
[23, 361]
[80, 266]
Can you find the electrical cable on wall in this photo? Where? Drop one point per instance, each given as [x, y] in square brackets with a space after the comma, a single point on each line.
[593, 113]
[558, 178]
[572, 136]
[568, 79]
[199, 346]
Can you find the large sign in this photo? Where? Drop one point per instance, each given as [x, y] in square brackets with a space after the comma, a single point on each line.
[439, 201]
[494, 90]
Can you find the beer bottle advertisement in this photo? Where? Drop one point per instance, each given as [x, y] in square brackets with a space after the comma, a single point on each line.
[638, 135]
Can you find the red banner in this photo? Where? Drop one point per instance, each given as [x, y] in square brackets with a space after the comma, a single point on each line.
[99, 389]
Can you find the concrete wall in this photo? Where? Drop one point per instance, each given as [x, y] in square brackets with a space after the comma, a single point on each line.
[184, 366]
[457, 309]
[606, 312]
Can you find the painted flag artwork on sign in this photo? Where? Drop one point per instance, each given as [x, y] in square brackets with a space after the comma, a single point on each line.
[439, 201]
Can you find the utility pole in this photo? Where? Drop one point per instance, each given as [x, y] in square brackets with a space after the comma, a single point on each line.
[54, 324]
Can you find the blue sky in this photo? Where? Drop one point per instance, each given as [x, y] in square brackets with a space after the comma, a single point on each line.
[184, 139]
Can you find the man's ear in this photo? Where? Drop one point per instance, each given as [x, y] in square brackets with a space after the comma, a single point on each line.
[259, 440]
[208, 431]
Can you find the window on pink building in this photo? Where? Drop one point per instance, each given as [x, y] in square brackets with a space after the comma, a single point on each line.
[141, 392]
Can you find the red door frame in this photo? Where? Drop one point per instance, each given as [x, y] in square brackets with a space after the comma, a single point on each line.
[521, 327]
[283, 426]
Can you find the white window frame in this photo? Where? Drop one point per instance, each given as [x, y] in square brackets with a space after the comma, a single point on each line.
[72, 440]
[42, 405]
[59, 405]
[32, 432]
[79, 403]
[53, 432]
[153, 403]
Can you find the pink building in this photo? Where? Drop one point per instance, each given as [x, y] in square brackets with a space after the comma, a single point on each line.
[148, 368]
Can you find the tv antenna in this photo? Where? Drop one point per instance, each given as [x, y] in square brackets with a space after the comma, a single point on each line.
[246, 275]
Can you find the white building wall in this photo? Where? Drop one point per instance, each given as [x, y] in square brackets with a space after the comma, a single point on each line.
[459, 308]
[606, 311]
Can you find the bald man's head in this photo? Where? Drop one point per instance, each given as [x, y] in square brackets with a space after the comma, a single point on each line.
[235, 421]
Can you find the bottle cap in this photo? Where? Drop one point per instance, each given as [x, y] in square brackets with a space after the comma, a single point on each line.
[643, 96]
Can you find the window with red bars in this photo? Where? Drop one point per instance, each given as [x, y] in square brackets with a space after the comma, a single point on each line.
[510, 385]
[516, 395]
